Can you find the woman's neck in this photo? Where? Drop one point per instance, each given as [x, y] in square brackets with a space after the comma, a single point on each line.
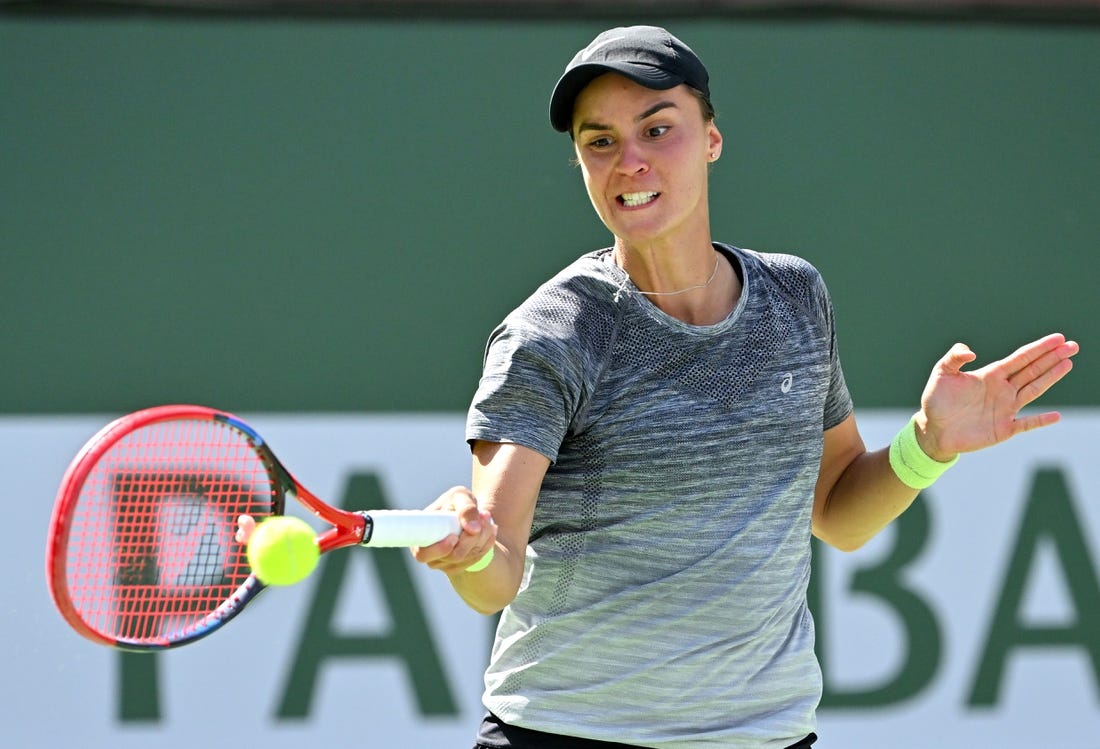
[695, 286]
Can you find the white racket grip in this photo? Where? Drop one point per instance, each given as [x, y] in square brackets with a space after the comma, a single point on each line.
[390, 528]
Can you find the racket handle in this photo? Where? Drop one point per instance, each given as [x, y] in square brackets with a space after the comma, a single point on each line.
[408, 527]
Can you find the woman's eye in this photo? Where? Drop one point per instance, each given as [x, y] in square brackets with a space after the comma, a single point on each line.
[657, 131]
[602, 142]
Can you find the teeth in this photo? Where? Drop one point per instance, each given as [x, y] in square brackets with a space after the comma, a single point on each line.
[638, 198]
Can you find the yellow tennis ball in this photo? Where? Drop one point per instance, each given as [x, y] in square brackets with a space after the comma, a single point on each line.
[282, 550]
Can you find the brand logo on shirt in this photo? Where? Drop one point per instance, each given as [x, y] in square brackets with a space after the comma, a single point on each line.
[788, 381]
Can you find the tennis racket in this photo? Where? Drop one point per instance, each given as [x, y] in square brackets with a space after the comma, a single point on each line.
[141, 552]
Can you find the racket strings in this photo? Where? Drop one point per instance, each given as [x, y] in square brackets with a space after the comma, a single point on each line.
[151, 550]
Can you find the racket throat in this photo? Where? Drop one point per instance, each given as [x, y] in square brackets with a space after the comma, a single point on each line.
[350, 534]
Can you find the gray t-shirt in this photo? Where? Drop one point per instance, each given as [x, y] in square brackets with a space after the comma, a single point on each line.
[663, 602]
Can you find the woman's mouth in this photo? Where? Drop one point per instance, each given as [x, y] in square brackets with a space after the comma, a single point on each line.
[635, 199]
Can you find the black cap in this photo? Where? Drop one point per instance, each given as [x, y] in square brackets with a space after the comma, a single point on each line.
[647, 55]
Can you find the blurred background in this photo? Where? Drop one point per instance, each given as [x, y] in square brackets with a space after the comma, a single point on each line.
[313, 212]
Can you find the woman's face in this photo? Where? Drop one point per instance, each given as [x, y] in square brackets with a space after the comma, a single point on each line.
[644, 157]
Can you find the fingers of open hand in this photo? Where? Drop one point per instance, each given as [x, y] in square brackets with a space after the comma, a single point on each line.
[983, 406]
[957, 357]
[1034, 421]
[1031, 387]
[1030, 354]
[1035, 368]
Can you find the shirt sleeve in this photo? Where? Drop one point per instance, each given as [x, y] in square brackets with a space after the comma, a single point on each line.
[528, 390]
[838, 403]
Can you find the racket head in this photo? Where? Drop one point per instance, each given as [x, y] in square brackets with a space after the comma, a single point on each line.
[141, 553]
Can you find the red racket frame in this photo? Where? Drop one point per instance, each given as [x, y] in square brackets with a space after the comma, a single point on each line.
[347, 529]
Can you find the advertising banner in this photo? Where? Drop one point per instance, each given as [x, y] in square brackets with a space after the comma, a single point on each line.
[973, 621]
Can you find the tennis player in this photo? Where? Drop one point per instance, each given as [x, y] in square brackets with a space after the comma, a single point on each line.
[658, 431]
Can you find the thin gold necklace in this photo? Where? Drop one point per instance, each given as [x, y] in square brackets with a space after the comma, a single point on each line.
[626, 279]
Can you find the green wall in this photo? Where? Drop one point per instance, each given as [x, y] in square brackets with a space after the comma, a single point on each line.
[332, 215]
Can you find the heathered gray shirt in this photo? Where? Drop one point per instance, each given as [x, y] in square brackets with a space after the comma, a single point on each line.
[663, 602]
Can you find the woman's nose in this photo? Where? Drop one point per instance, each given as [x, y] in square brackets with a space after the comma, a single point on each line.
[632, 159]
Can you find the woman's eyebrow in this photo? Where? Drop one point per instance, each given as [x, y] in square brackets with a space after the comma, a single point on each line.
[654, 110]
[648, 113]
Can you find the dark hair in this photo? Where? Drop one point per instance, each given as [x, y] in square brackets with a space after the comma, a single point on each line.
[704, 103]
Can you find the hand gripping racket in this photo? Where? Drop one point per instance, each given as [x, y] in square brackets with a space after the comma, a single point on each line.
[141, 552]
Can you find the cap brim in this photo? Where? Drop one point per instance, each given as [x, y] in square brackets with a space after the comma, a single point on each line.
[574, 81]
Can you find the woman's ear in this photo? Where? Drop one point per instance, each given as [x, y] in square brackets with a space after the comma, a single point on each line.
[714, 141]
